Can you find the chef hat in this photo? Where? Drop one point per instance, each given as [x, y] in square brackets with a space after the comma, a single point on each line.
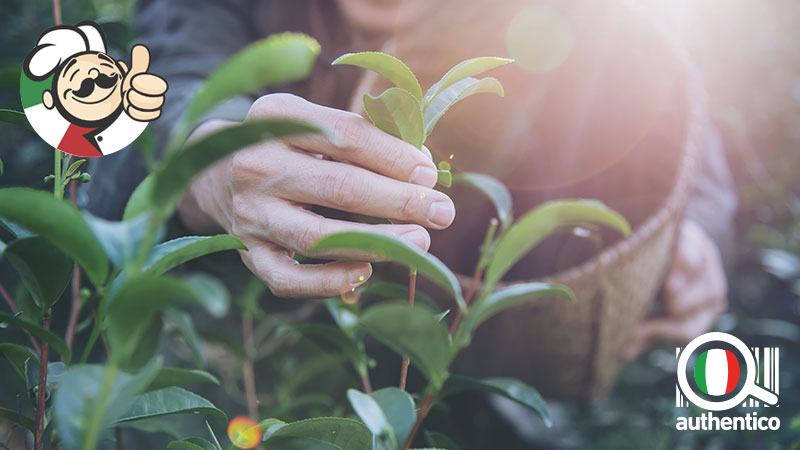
[59, 43]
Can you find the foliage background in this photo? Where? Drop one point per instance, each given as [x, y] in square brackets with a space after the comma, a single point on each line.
[748, 53]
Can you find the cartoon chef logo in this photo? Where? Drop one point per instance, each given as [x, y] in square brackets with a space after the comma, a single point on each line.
[82, 101]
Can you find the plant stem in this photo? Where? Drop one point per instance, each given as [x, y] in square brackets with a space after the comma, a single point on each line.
[57, 12]
[423, 411]
[478, 274]
[248, 371]
[365, 383]
[37, 442]
[473, 286]
[412, 287]
[75, 306]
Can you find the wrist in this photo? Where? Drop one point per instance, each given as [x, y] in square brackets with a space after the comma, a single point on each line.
[203, 207]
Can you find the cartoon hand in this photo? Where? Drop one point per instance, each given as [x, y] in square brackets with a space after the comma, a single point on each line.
[142, 92]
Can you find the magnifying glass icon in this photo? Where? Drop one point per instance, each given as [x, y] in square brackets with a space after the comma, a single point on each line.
[750, 388]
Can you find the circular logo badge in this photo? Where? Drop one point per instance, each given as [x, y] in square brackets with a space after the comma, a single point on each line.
[81, 100]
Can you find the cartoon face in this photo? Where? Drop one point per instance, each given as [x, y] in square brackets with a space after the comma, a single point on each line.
[88, 87]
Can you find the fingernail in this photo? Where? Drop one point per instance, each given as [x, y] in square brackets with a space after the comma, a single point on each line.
[358, 275]
[423, 176]
[441, 214]
[417, 237]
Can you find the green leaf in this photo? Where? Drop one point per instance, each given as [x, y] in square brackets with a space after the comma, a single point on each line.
[413, 332]
[120, 240]
[507, 298]
[90, 398]
[494, 190]
[539, 223]
[147, 345]
[1, 167]
[171, 254]
[173, 376]
[398, 408]
[181, 166]
[58, 221]
[398, 251]
[464, 69]
[454, 94]
[193, 443]
[337, 432]
[140, 200]
[132, 303]
[277, 59]
[211, 293]
[16, 230]
[398, 113]
[371, 414]
[14, 417]
[332, 336]
[445, 177]
[55, 370]
[440, 440]
[388, 66]
[15, 118]
[39, 333]
[167, 401]
[509, 388]
[17, 355]
[44, 269]
[185, 325]
[74, 166]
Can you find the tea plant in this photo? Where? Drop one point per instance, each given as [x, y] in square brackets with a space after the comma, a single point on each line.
[132, 293]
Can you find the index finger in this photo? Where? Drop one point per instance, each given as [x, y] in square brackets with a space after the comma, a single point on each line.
[351, 138]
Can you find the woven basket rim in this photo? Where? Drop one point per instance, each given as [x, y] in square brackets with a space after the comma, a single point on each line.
[670, 205]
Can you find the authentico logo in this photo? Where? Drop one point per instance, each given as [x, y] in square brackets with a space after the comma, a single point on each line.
[718, 372]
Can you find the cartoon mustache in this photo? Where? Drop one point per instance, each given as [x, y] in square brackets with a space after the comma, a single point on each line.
[87, 85]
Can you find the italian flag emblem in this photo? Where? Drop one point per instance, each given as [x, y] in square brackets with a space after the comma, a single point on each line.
[716, 372]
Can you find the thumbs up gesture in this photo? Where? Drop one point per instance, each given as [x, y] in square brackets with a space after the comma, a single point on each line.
[142, 92]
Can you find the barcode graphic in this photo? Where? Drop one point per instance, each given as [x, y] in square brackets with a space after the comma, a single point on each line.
[767, 375]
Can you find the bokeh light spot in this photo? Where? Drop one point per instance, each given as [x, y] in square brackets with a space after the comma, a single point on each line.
[244, 432]
[351, 296]
[539, 38]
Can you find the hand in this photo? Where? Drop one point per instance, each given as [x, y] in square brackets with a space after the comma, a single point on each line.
[263, 193]
[142, 92]
[694, 293]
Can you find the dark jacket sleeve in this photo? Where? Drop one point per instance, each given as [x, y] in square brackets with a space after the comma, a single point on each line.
[187, 40]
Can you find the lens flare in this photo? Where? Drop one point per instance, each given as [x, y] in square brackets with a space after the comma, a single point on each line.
[243, 432]
[539, 38]
[351, 296]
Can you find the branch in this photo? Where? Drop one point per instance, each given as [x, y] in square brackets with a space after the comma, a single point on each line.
[37, 445]
[248, 371]
[412, 287]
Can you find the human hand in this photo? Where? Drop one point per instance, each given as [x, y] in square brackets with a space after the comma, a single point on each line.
[142, 92]
[694, 293]
[263, 193]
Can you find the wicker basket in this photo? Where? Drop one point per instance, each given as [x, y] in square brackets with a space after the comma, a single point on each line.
[571, 350]
[564, 349]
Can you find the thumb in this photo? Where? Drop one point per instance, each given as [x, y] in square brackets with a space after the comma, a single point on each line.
[140, 60]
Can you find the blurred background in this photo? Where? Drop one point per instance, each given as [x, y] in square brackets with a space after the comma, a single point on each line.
[748, 53]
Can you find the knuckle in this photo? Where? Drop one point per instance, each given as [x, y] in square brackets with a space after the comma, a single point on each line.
[278, 283]
[307, 237]
[411, 206]
[339, 188]
[349, 131]
[273, 105]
